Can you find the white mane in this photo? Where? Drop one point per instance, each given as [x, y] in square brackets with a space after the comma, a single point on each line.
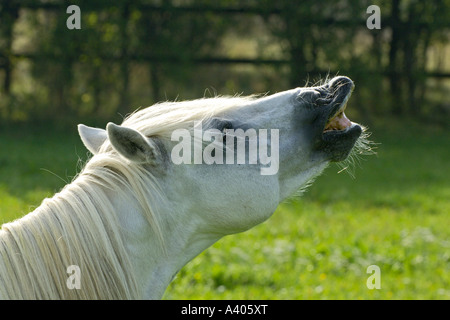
[75, 227]
[163, 118]
[78, 226]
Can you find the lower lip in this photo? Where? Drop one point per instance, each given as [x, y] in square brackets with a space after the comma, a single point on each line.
[352, 129]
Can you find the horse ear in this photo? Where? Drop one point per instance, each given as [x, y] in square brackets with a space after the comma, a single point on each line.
[131, 144]
[92, 138]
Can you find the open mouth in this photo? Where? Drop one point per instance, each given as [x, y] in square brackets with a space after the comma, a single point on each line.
[338, 120]
[339, 133]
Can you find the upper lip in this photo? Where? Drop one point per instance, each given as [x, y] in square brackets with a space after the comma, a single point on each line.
[338, 90]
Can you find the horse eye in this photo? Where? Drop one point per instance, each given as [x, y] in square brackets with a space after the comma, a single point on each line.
[221, 124]
[226, 125]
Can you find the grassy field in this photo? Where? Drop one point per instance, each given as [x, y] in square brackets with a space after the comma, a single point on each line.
[394, 214]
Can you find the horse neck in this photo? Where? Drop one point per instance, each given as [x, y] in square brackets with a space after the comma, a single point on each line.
[105, 231]
[157, 262]
[159, 235]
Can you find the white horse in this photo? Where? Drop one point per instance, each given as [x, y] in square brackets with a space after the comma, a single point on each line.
[132, 218]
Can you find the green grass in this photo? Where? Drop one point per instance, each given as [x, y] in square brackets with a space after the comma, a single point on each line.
[394, 214]
[34, 164]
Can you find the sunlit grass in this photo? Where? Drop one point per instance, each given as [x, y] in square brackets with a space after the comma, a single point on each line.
[393, 214]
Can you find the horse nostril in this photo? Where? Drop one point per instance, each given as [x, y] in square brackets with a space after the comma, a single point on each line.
[340, 81]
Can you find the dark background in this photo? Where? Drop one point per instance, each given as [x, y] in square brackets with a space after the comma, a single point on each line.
[133, 53]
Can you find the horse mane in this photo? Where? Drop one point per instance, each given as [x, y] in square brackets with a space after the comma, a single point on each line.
[79, 226]
[163, 118]
[75, 227]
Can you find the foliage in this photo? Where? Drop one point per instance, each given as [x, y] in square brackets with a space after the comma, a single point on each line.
[132, 53]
